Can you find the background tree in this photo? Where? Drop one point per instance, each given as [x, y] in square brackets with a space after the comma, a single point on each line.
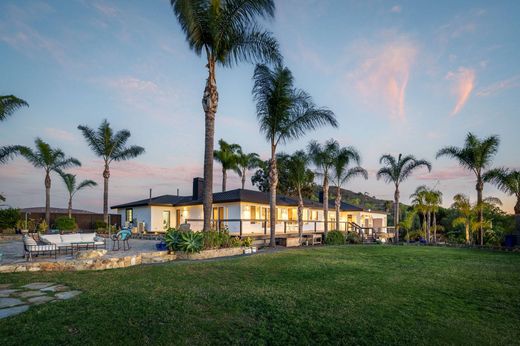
[301, 178]
[420, 204]
[323, 158]
[73, 188]
[476, 156]
[434, 199]
[110, 147]
[227, 155]
[507, 181]
[342, 172]
[9, 104]
[408, 223]
[284, 113]
[246, 162]
[51, 160]
[466, 216]
[227, 32]
[396, 171]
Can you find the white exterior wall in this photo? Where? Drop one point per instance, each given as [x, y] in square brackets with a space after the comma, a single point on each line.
[152, 216]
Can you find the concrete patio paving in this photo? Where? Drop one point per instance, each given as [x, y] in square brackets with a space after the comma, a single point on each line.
[12, 251]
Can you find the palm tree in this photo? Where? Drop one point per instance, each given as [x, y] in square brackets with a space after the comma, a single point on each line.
[466, 217]
[9, 104]
[300, 179]
[227, 32]
[420, 203]
[434, 199]
[408, 222]
[284, 114]
[51, 160]
[508, 181]
[246, 162]
[110, 147]
[72, 188]
[342, 173]
[396, 171]
[476, 156]
[323, 158]
[227, 156]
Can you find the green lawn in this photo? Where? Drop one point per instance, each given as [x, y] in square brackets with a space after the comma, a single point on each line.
[348, 294]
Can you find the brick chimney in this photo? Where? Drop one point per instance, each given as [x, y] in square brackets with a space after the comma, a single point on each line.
[198, 184]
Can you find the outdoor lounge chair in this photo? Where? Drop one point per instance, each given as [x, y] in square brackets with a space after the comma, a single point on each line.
[74, 241]
[32, 248]
[123, 235]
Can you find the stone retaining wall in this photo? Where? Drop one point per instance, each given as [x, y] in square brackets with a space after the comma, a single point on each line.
[206, 254]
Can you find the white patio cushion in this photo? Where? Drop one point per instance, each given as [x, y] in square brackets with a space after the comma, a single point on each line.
[51, 238]
[88, 236]
[29, 241]
[99, 242]
[42, 248]
[71, 238]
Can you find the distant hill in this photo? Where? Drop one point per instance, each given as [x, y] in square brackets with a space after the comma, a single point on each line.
[362, 200]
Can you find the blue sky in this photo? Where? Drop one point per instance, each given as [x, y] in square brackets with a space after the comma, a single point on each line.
[401, 76]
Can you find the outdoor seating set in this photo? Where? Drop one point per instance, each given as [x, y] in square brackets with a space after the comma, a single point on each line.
[52, 244]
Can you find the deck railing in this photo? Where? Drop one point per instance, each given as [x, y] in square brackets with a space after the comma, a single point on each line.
[262, 227]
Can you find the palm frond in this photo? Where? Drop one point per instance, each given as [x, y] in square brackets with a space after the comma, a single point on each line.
[9, 152]
[128, 153]
[9, 104]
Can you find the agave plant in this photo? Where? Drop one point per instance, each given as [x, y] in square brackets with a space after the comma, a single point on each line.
[191, 242]
[172, 239]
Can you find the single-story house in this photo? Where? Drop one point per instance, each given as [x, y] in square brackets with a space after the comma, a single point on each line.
[242, 210]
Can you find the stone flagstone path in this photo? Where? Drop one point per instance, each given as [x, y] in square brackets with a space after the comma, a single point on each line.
[14, 301]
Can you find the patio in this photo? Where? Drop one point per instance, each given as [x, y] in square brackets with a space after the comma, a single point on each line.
[141, 251]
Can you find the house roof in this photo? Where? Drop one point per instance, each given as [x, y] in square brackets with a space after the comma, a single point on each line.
[237, 195]
[37, 210]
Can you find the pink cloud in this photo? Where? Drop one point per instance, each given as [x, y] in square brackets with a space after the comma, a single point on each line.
[510, 83]
[105, 9]
[383, 74]
[463, 83]
[448, 173]
[396, 9]
[58, 134]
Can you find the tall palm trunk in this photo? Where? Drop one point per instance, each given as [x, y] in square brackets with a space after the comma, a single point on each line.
[325, 205]
[243, 179]
[468, 240]
[300, 215]
[209, 104]
[428, 226]
[273, 182]
[224, 179]
[434, 225]
[396, 212]
[517, 218]
[337, 204]
[480, 187]
[70, 207]
[48, 199]
[106, 176]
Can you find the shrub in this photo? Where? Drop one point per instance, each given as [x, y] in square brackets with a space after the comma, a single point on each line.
[247, 242]
[335, 238]
[30, 226]
[100, 225]
[235, 242]
[213, 239]
[9, 218]
[42, 227]
[353, 238]
[172, 239]
[65, 223]
[191, 242]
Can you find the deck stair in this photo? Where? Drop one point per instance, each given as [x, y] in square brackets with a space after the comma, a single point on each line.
[367, 234]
